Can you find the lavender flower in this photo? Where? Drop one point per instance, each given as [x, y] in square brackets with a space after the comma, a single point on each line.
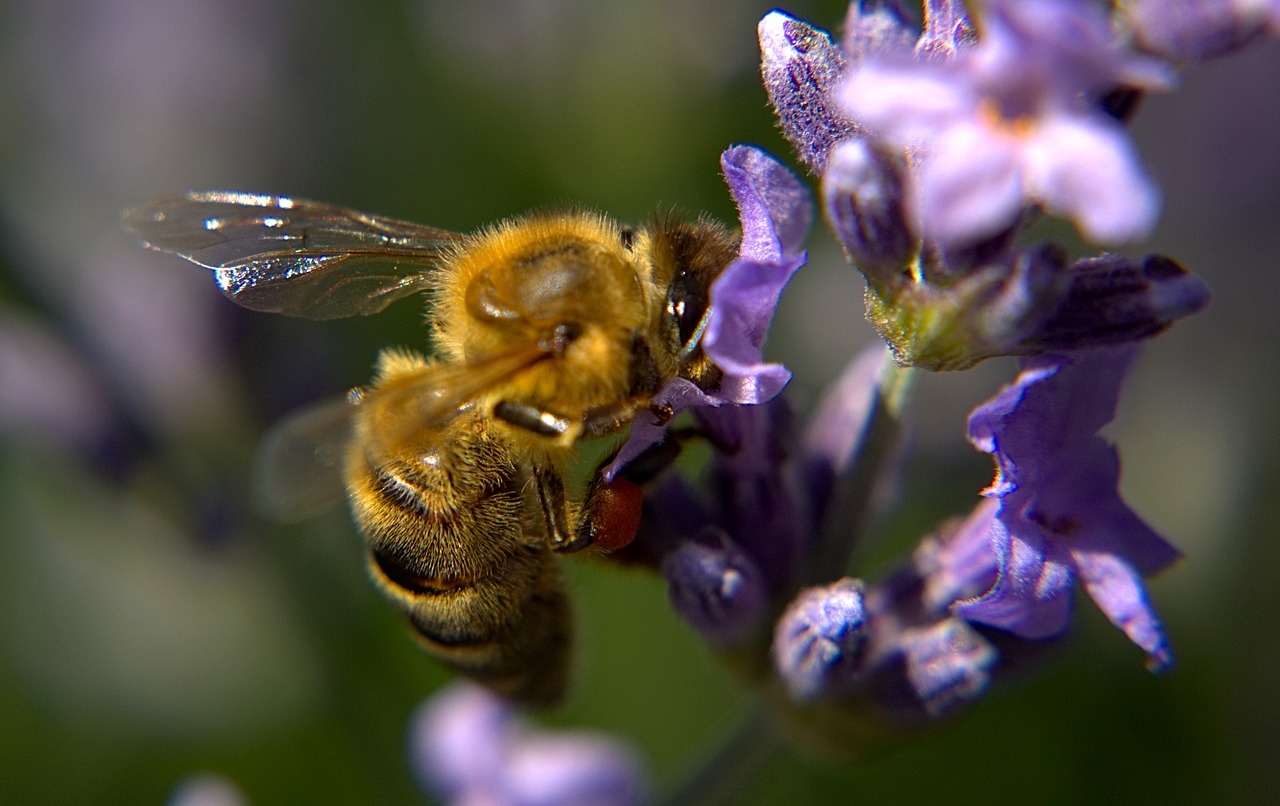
[1003, 124]
[776, 214]
[943, 149]
[471, 747]
[1060, 516]
[733, 556]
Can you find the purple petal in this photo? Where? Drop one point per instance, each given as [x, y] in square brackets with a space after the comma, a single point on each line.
[1085, 169]
[1032, 597]
[743, 300]
[970, 186]
[904, 103]
[1032, 40]
[460, 737]
[1056, 401]
[1082, 506]
[1001, 418]
[962, 564]
[677, 395]
[773, 205]
[835, 431]
[573, 769]
[1117, 588]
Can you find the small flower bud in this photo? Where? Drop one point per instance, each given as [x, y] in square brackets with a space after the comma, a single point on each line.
[948, 664]
[715, 586]
[800, 64]
[1114, 299]
[862, 195]
[816, 642]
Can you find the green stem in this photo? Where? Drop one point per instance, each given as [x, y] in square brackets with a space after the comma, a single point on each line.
[730, 764]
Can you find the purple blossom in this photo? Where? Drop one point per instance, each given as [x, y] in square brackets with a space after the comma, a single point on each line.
[471, 747]
[1060, 517]
[863, 196]
[776, 214]
[1014, 120]
[731, 555]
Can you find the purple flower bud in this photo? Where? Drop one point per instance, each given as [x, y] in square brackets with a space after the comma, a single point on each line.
[1194, 30]
[800, 64]
[716, 587]
[816, 643]
[947, 663]
[862, 195]
[1115, 299]
[469, 746]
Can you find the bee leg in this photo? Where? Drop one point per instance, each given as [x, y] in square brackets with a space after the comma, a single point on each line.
[555, 513]
[607, 518]
[537, 421]
[610, 419]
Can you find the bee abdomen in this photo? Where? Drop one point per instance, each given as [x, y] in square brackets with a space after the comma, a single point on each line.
[509, 629]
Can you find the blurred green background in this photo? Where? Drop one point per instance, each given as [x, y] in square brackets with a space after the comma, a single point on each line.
[152, 627]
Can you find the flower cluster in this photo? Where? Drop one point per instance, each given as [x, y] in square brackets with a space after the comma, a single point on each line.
[950, 148]
[936, 153]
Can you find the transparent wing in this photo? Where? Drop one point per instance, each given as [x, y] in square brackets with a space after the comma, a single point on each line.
[293, 256]
[300, 464]
[298, 471]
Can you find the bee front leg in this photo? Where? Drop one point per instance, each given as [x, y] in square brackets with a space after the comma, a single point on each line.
[610, 419]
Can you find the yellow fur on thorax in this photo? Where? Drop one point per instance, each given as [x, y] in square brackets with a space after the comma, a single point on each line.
[593, 369]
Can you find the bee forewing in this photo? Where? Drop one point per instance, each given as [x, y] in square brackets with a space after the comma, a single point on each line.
[299, 467]
[294, 256]
[421, 403]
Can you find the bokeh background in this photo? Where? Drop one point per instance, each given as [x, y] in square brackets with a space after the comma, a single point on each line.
[154, 628]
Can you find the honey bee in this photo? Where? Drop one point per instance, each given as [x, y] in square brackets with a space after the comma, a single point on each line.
[546, 329]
